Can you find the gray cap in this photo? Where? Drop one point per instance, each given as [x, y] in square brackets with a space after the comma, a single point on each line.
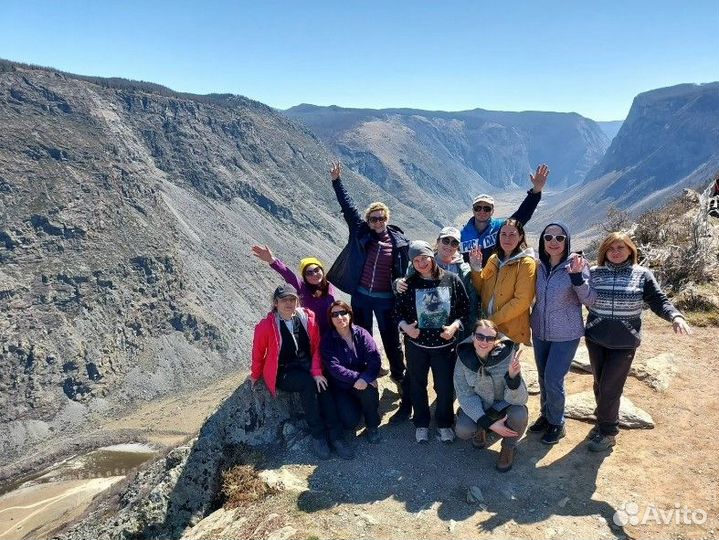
[283, 291]
[450, 232]
[419, 247]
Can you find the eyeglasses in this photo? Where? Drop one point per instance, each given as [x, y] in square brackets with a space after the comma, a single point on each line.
[339, 313]
[482, 337]
[377, 219]
[313, 271]
[482, 207]
[447, 241]
[558, 237]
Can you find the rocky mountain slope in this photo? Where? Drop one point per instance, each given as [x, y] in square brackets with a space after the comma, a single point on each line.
[126, 216]
[428, 156]
[670, 140]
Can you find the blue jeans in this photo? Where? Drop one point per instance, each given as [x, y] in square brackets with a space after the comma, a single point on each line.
[553, 361]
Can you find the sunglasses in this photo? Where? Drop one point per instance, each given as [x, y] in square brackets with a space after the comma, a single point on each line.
[558, 237]
[377, 219]
[482, 208]
[313, 271]
[482, 337]
[447, 241]
[339, 313]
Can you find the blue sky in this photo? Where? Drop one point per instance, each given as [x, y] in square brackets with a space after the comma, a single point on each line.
[438, 55]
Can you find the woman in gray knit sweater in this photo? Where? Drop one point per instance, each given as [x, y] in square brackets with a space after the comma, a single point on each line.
[613, 330]
[557, 325]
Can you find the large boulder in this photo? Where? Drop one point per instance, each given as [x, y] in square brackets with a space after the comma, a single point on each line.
[581, 407]
[657, 372]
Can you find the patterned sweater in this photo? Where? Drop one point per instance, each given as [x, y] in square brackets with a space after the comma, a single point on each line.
[615, 317]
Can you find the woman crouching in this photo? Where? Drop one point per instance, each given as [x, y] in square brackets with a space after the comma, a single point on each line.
[491, 392]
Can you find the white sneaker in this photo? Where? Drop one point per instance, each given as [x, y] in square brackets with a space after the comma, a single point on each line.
[446, 435]
[422, 434]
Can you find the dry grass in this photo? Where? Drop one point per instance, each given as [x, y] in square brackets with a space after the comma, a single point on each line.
[241, 486]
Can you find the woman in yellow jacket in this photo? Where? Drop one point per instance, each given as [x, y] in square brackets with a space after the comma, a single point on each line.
[506, 283]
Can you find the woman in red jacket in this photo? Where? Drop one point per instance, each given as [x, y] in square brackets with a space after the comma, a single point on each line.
[286, 355]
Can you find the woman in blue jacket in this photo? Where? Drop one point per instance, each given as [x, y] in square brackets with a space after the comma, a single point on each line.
[557, 324]
[351, 358]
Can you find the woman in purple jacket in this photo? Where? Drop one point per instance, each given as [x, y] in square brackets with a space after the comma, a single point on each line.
[557, 324]
[316, 293]
[352, 361]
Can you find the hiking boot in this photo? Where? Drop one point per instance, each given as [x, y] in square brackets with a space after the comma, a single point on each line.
[479, 439]
[446, 434]
[540, 425]
[600, 443]
[553, 434]
[506, 458]
[592, 433]
[372, 435]
[401, 415]
[344, 450]
[422, 435]
[350, 436]
[398, 383]
[320, 448]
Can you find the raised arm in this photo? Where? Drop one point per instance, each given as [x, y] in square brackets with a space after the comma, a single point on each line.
[349, 210]
[265, 255]
[529, 204]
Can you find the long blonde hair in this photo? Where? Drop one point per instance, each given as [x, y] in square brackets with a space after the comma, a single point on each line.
[617, 237]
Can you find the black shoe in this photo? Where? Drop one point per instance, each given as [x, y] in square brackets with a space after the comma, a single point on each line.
[344, 450]
[373, 436]
[401, 415]
[540, 425]
[553, 434]
[320, 448]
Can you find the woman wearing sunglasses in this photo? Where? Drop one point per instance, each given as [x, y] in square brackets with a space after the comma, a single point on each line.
[316, 293]
[448, 257]
[506, 283]
[557, 324]
[431, 313]
[351, 358]
[491, 392]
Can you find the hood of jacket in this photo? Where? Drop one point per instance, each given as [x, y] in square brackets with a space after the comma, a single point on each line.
[498, 355]
[526, 252]
[567, 245]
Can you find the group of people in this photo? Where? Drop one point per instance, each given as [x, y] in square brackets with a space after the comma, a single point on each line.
[464, 306]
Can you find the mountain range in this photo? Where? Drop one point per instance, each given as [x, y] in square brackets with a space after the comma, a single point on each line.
[127, 212]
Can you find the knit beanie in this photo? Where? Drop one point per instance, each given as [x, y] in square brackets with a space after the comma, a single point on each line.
[307, 261]
[419, 247]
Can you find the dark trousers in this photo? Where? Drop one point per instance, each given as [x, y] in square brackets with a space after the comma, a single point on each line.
[363, 306]
[610, 368]
[441, 361]
[353, 404]
[320, 410]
